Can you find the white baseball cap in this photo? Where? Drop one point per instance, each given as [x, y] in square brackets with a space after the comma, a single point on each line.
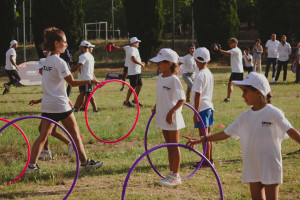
[91, 45]
[166, 54]
[40, 65]
[134, 39]
[13, 42]
[202, 55]
[256, 80]
[84, 43]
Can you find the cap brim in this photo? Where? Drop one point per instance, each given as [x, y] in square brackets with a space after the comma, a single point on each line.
[156, 59]
[237, 83]
[92, 46]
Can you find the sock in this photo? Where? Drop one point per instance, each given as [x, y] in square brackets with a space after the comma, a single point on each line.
[46, 151]
[176, 175]
[32, 165]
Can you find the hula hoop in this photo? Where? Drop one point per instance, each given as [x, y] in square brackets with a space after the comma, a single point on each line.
[146, 148]
[171, 144]
[137, 114]
[28, 150]
[71, 139]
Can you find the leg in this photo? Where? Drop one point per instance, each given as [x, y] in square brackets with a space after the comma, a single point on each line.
[274, 62]
[259, 65]
[285, 63]
[267, 67]
[71, 126]
[257, 191]
[279, 66]
[79, 100]
[208, 153]
[137, 90]
[124, 77]
[254, 64]
[59, 135]
[173, 151]
[129, 92]
[188, 78]
[229, 89]
[93, 102]
[272, 191]
[298, 73]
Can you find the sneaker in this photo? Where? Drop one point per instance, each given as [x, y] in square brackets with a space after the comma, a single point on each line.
[204, 165]
[284, 82]
[32, 169]
[226, 100]
[170, 180]
[45, 155]
[5, 91]
[82, 109]
[129, 105]
[122, 89]
[91, 165]
[134, 103]
[273, 80]
[96, 112]
[70, 149]
[6, 87]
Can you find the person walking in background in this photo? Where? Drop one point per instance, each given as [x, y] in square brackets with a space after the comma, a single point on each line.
[134, 71]
[66, 56]
[248, 60]
[236, 63]
[11, 67]
[284, 51]
[257, 52]
[298, 64]
[188, 70]
[271, 48]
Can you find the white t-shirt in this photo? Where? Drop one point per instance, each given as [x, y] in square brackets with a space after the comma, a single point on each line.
[55, 99]
[261, 133]
[188, 63]
[168, 92]
[8, 65]
[248, 63]
[127, 57]
[203, 84]
[272, 48]
[87, 68]
[236, 60]
[134, 68]
[284, 51]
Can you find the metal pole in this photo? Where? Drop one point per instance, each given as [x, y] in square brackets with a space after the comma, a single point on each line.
[173, 35]
[113, 20]
[30, 28]
[24, 34]
[193, 25]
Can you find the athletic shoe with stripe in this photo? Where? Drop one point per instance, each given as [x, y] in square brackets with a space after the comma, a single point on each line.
[91, 165]
[170, 180]
[32, 169]
[45, 155]
[70, 149]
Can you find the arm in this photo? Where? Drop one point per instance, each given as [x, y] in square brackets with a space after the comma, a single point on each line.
[260, 49]
[247, 57]
[133, 59]
[13, 62]
[221, 51]
[266, 50]
[294, 134]
[70, 80]
[214, 137]
[197, 100]
[154, 109]
[290, 50]
[170, 114]
[32, 102]
[119, 48]
[74, 69]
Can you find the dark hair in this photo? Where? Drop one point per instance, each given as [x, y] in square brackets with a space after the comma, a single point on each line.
[51, 35]
[247, 48]
[258, 40]
[268, 98]
[174, 68]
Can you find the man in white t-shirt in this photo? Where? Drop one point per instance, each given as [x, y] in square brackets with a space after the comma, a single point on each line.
[11, 67]
[248, 60]
[271, 48]
[236, 62]
[86, 72]
[284, 51]
[134, 71]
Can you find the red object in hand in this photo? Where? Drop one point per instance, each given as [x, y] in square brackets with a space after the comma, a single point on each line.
[220, 126]
[110, 47]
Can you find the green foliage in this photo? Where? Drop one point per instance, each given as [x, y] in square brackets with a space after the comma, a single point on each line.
[246, 11]
[215, 21]
[63, 14]
[7, 24]
[293, 8]
[145, 21]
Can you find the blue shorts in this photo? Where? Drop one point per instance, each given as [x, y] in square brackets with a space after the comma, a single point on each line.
[207, 117]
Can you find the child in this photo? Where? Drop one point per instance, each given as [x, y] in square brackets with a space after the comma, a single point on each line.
[169, 100]
[257, 52]
[248, 61]
[202, 92]
[261, 130]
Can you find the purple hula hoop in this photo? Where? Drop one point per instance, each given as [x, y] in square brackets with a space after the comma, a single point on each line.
[171, 144]
[71, 139]
[146, 148]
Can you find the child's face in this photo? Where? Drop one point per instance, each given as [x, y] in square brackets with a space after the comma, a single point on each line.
[164, 67]
[61, 45]
[249, 95]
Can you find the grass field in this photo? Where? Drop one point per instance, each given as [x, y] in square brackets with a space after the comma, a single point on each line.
[116, 120]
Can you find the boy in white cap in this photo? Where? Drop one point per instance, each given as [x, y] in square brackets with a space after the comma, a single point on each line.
[86, 72]
[134, 71]
[169, 100]
[11, 67]
[261, 130]
[202, 92]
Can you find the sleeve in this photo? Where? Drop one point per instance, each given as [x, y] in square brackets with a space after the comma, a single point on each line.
[290, 49]
[233, 129]
[82, 59]
[131, 52]
[283, 124]
[267, 44]
[198, 85]
[178, 92]
[232, 51]
[63, 70]
[12, 52]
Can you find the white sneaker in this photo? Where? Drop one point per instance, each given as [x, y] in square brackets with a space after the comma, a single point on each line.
[284, 82]
[91, 165]
[32, 169]
[45, 155]
[170, 180]
[70, 149]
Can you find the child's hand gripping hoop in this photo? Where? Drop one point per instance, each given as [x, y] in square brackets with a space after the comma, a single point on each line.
[137, 114]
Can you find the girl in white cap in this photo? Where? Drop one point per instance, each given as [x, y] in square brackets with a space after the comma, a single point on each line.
[261, 130]
[169, 100]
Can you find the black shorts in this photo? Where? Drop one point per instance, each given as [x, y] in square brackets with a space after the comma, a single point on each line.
[135, 80]
[236, 76]
[57, 116]
[86, 88]
[125, 69]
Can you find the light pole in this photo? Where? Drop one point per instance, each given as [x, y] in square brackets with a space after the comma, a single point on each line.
[193, 26]
[173, 35]
[24, 33]
[113, 20]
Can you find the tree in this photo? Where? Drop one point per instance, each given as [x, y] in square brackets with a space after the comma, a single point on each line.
[64, 14]
[145, 21]
[7, 24]
[246, 11]
[215, 21]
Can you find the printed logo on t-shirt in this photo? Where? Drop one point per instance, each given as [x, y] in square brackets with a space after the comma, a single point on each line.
[47, 68]
[166, 88]
[263, 123]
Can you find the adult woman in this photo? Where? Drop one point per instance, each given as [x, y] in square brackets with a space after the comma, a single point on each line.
[55, 102]
[257, 51]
